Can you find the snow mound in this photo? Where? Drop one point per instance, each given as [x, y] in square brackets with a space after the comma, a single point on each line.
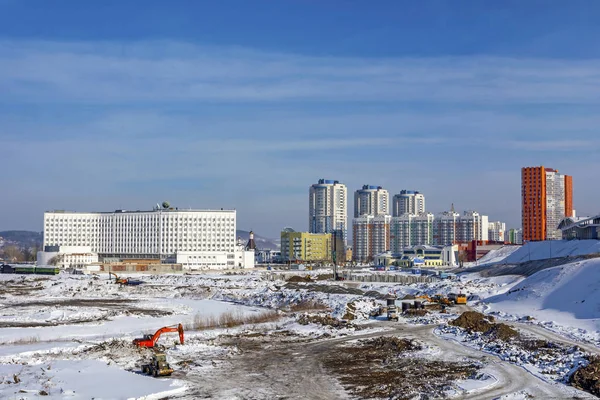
[568, 294]
[498, 255]
[551, 249]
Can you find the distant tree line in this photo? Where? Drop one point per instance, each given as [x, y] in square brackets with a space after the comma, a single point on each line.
[13, 253]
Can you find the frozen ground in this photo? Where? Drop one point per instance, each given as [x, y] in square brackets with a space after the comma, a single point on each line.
[53, 330]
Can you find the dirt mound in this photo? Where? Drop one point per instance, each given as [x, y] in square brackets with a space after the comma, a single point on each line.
[391, 343]
[409, 297]
[326, 320]
[588, 378]
[502, 332]
[413, 312]
[296, 279]
[474, 321]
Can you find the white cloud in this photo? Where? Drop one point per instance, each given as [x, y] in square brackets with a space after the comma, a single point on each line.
[448, 127]
[167, 71]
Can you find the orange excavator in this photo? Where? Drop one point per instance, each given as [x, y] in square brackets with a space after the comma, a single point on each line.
[125, 281]
[122, 281]
[150, 340]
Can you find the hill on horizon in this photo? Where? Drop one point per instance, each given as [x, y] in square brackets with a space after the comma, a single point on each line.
[22, 238]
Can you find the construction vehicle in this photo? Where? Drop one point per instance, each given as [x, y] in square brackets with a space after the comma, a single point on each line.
[122, 281]
[392, 310]
[150, 340]
[392, 313]
[459, 298]
[125, 281]
[158, 366]
[438, 298]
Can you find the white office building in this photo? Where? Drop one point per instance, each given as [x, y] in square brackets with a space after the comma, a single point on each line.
[408, 202]
[198, 239]
[371, 200]
[328, 208]
[497, 231]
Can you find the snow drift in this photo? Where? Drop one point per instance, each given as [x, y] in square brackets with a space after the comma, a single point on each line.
[550, 249]
[568, 294]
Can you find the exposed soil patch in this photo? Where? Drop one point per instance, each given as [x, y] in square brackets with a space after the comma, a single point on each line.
[588, 378]
[20, 289]
[333, 289]
[297, 278]
[382, 368]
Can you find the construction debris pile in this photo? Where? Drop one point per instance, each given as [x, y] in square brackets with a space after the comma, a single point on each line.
[325, 320]
[385, 368]
[588, 378]
[553, 361]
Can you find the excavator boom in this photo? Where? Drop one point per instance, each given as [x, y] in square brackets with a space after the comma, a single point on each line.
[151, 341]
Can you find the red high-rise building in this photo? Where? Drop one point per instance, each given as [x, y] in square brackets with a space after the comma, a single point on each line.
[546, 198]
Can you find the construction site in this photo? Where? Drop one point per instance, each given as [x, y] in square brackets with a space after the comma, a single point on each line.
[303, 334]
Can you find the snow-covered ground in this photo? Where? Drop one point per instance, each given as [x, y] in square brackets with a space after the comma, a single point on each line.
[496, 255]
[54, 329]
[81, 380]
[563, 298]
[543, 250]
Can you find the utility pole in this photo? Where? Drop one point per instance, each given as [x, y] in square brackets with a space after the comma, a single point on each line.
[334, 255]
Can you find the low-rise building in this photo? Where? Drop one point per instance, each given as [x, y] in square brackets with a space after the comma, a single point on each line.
[67, 256]
[415, 256]
[305, 246]
[268, 256]
[580, 228]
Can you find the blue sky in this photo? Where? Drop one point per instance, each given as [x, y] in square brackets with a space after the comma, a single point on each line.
[123, 104]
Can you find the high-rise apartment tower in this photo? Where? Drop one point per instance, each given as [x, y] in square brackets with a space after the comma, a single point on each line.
[371, 200]
[328, 208]
[408, 202]
[546, 198]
